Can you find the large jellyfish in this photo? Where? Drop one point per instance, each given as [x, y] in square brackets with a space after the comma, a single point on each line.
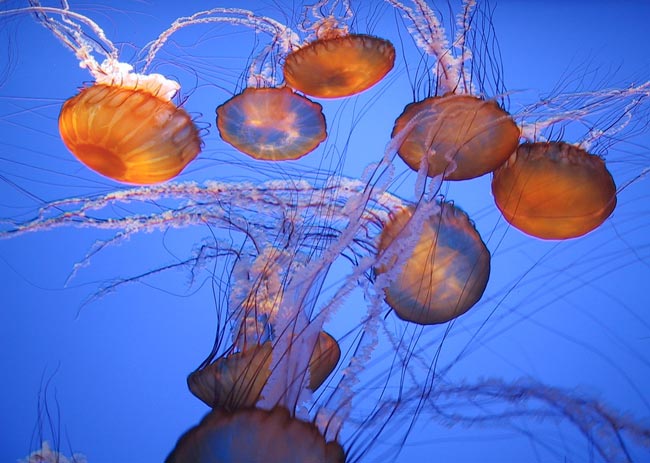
[458, 131]
[229, 276]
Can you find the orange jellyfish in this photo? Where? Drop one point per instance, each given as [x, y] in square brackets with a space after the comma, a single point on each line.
[128, 133]
[458, 136]
[123, 126]
[336, 65]
[271, 123]
[445, 272]
[554, 190]
[236, 381]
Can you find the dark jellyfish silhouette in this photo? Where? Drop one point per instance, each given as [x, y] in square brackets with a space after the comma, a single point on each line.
[252, 435]
[554, 190]
[128, 134]
[459, 136]
[334, 67]
[271, 124]
[445, 271]
[236, 380]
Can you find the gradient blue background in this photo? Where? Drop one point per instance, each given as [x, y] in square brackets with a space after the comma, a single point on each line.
[577, 315]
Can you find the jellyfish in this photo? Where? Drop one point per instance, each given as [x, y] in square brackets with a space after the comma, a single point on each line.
[271, 123]
[255, 436]
[129, 135]
[554, 190]
[131, 289]
[235, 385]
[48, 438]
[340, 66]
[335, 63]
[460, 136]
[47, 455]
[236, 381]
[124, 125]
[457, 134]
[447, 271]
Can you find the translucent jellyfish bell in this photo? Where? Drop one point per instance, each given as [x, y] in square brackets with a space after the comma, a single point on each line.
[461, 136]
[446, 270]
[128, 134]
[339, 66]
[271, 124]
[554, 190]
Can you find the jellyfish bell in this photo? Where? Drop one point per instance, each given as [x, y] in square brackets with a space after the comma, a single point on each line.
[323, 360]
[272, 124]
[460, 136]
[446, 270]
[124, 126]
[459, 133]
[254, 436]
[554, 190]
[128, 133]
[237, 380]
[339, 66]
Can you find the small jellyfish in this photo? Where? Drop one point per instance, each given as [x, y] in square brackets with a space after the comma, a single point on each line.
[335, 67]
[461, 136]
[236, 381]
[271, 124]
[253, 435]
[131, 135]
[554, 190]
[447, 269]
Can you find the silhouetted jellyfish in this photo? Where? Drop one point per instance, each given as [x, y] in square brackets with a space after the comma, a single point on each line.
[279, 360]
[235, 430]
[254, 436]
[554, 190]
[271, 124]
[446, 270]
[457, 135]
[236, 381]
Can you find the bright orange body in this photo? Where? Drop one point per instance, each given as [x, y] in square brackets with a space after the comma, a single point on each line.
[554, 190]
[129, 135]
